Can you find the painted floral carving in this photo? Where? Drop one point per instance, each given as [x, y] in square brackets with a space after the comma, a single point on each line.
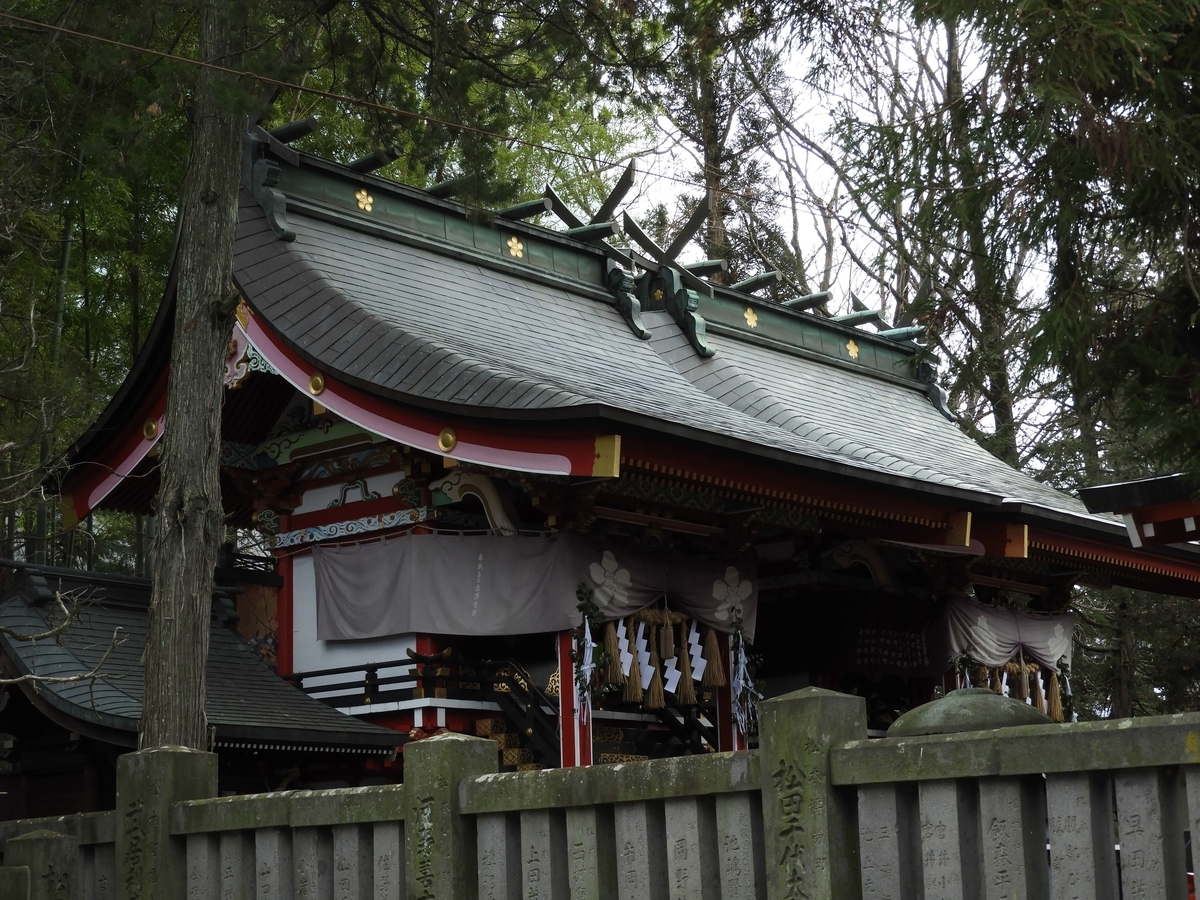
[730, 594]
[612, 582]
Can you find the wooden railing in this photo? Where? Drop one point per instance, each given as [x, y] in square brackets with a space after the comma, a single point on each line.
[1095, 810]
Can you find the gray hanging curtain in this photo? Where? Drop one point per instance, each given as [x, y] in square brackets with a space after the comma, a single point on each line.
[495, 585]
[993, 636]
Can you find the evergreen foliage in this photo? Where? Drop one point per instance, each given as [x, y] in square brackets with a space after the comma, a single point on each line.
[1035, 164]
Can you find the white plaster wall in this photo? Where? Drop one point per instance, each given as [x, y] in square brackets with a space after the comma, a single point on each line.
[310, 654]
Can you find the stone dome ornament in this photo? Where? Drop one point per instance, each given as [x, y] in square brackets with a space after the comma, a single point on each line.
[967, 709]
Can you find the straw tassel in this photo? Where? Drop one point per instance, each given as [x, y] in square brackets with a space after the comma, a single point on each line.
[633, 683]
[654, 694]
[612, 649]
[685, 694]
[1039, 702]
[1054, 701]
[714, 672]
[997, 684]
[666, 638]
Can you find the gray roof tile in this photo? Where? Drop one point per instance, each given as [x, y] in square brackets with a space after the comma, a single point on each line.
[244, 696]
[457, 332]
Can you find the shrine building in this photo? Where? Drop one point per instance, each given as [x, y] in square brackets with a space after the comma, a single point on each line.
[521, 481]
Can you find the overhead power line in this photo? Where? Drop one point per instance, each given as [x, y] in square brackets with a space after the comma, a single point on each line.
[434, 120]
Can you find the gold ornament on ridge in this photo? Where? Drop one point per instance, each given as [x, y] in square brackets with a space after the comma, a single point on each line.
[515, 247]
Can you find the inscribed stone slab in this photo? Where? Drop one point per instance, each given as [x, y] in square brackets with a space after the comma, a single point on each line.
[740, 852]
[691, 832]
[543, 854]
[1080, 816]
[591, 853]
[498, 843]
[1150, 836]
[640, 837]
[273, 863]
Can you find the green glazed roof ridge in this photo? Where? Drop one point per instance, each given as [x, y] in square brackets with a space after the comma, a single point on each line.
[410, 194]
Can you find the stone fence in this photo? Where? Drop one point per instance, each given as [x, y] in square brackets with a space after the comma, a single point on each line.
[1095, 810]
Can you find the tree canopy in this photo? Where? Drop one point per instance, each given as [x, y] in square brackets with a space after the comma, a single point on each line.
[1020, 178]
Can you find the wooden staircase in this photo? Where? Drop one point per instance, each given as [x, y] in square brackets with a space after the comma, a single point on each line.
[617, 744]
[513, 757]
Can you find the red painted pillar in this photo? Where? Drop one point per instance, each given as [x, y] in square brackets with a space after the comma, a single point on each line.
[576, 734]
[284, 622]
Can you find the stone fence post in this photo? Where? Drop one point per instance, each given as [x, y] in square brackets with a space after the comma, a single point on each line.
[52, 861]
[439, 840]
[810, 829]
[152, 865]
[14, 882]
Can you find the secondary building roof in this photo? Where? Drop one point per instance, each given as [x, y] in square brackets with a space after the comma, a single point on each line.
[248, 704]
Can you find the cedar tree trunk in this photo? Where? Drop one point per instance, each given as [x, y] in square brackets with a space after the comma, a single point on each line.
[189, 498]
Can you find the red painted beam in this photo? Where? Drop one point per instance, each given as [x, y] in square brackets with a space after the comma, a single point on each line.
[1113, 556]
[540, 452]
[90, 482]
[835, 500]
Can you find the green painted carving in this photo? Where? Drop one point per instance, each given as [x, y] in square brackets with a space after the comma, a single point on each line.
[266, 521]
[281, 449]
[243, 456]
[664, 289]
[331, 467]
[361, 485]
[265, 178]
[408, 491]
[628, 305]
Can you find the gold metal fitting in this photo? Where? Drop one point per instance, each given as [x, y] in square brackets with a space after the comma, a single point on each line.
[316, 383]
[150, 429]
[242, 314]
[447, 440]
